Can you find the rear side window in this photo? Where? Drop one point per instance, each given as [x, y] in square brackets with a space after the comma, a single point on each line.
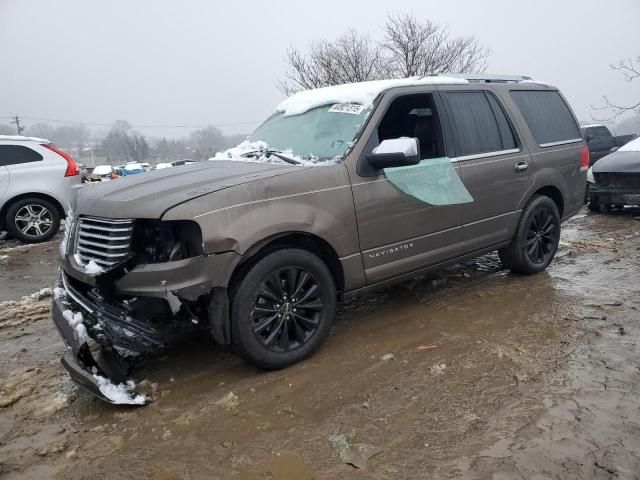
[479, 123]
[547, 116]
[15, 154]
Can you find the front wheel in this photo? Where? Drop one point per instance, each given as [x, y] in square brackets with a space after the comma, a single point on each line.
[536, 239]
[282, 310]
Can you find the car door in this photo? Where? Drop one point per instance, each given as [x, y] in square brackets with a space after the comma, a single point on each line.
[398, 233]
[494, 165]
[4, 180]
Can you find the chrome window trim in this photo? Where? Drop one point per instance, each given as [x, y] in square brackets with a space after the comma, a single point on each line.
[485, 155]
[561, 142]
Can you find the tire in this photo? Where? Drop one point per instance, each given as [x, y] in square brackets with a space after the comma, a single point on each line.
[536, 239]
[271, 326]
[33, 220]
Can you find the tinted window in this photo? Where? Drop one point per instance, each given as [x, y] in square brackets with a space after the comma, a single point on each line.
[506, 133]
[14, 154]
[547, 116]
[598, 132]
[479, 127]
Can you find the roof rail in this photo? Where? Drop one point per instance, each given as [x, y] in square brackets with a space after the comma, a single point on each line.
[487, 77]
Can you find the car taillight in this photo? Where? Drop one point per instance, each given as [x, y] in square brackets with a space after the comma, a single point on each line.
[72, 166]
[584, 158]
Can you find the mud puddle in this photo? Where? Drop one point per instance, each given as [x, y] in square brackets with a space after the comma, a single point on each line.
[473, 373]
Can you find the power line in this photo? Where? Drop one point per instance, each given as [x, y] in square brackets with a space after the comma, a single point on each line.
[99, 124]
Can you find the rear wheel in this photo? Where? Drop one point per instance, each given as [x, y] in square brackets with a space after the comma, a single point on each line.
[33, 220]
[536, 239]
[282, 310]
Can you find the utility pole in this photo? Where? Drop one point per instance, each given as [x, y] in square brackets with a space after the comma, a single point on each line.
[16, 121]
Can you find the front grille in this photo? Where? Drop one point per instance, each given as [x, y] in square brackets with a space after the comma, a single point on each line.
[617, 180]
[103, 240]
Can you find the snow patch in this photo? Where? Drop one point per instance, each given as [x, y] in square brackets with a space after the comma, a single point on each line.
[21, 138]
[262, 156]
[120, 394]
[632, 146]
[363, 93]
[537, 82]
[91, 268]
[75, 319]
[59, 293]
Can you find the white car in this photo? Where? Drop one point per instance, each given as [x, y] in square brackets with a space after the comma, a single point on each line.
[101, 173]
[37, 184]
[163, 165]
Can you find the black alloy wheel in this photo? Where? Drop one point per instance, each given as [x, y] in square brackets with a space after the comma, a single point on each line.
[282, 308]
[287, 309]
[541, 236]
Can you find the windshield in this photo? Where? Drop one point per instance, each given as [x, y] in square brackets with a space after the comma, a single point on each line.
[322, 133]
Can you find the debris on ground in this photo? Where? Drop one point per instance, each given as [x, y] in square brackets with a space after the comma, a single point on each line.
[388, 356]
[356, 455]
[438, 369]
[230, 401]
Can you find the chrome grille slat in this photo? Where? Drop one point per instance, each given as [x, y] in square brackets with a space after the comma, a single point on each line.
[103, 237]
[103, 240]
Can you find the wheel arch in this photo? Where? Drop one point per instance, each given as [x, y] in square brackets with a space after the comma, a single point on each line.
[7, 205]
[293, 239]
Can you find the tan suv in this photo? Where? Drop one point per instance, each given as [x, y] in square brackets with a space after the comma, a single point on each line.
[342, 189]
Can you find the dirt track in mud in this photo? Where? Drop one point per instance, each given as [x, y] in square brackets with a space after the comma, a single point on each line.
[472, 373]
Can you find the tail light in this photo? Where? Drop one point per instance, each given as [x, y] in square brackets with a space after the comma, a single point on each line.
[584, 158]
[72, 166]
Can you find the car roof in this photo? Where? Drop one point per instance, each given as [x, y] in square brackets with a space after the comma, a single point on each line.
[21, 138]
[364, 93]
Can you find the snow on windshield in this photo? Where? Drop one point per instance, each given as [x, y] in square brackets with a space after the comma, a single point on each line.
[363, 93]
[258, 152]
[632, 146]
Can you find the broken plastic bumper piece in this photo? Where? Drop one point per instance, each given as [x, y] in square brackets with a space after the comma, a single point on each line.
[97, 342]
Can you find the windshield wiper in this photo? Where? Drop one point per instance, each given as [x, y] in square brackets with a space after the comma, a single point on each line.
[276, 153]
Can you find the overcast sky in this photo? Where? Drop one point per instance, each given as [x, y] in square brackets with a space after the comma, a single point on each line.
[191, 62]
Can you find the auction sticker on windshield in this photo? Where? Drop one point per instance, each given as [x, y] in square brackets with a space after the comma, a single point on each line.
[353, 108]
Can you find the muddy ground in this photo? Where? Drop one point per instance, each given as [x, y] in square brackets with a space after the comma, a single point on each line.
[472, 373]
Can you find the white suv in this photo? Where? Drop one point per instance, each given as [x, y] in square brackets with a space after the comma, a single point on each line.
[37, 183]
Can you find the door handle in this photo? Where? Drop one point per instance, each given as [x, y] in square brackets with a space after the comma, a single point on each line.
[521, 166]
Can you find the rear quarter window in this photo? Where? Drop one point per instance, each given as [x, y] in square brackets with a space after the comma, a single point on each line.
[16, 154]
[547, 116]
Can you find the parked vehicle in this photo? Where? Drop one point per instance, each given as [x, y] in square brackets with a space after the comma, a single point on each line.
[133, 168]
[615, 179]
[601, 142]
[342, 190]
[37, 184]
[103, 173]
[162, 165]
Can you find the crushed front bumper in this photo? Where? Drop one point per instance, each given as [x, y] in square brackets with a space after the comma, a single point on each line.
[92, 359]
[615, 195]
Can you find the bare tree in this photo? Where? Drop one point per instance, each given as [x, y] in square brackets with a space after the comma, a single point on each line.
[630, 69]
[353, 57]
[122, 143]
[409, 47]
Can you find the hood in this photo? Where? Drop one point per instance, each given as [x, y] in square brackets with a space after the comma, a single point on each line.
[151, 194]
[618, 162]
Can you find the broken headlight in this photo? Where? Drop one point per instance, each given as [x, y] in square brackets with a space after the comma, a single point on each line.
[155, 241]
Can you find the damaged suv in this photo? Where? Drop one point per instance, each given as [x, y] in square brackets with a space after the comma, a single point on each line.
[342, 189]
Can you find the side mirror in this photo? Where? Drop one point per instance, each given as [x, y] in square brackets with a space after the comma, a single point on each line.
[396, 152]
[588, 138]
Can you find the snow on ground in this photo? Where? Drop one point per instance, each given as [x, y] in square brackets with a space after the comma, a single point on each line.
[363, 93]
